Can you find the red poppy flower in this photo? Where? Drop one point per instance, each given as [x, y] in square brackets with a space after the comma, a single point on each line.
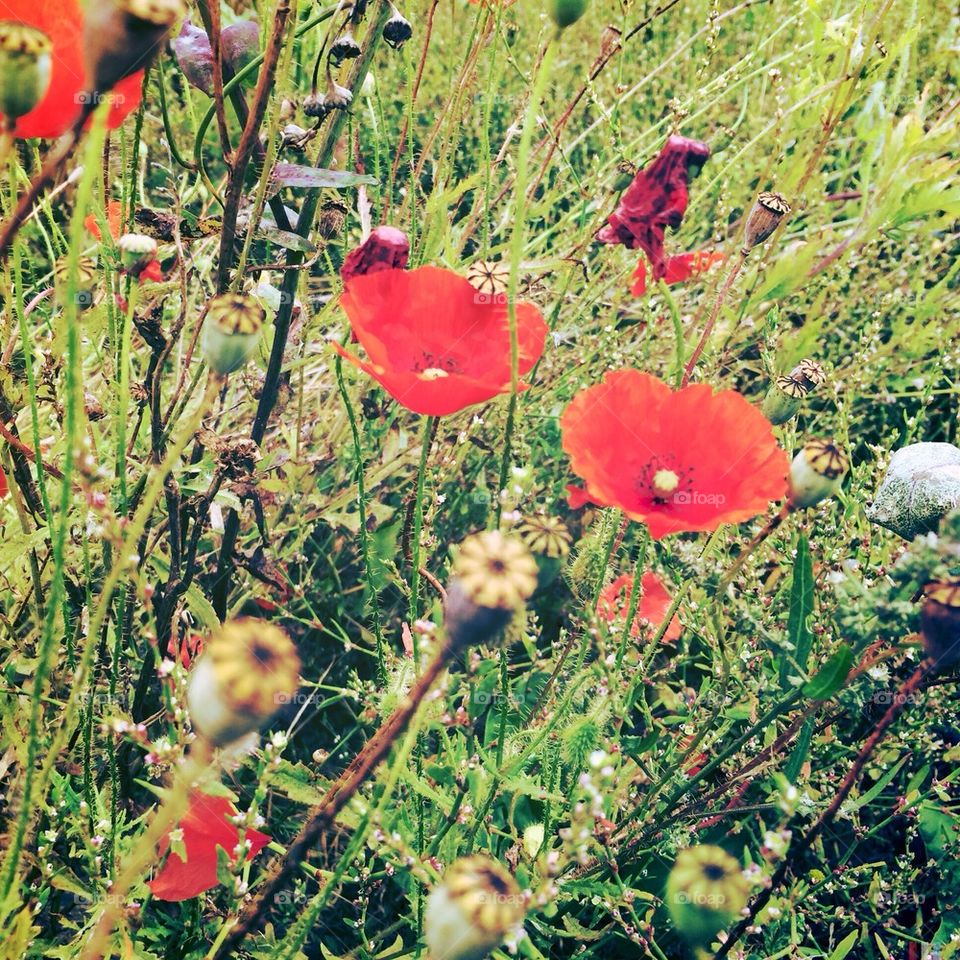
[679, 268]
[205, 827]
[62, 22]
[654, 603]
[152, 271]
[679, 460]
[435, 343]
[656, 199]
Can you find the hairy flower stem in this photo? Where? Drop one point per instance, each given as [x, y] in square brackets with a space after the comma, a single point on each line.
[516, 253]
[165, 817]
[281, 322]
[362, 515]
[429, 430]
[323, 817]
[903, 696]
[734, 271]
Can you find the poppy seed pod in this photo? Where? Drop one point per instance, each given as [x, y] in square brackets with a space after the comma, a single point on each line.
[397, 30]
[816, 473]
[809, 374]
[248, 670]
[473, 910]
[768, 210]
[136, 251]
[86, 281]
[231, 331]
[123, 36]
[706, 891]
[25, 67]
[548, 539]
[921, 486]
[783, 400]
[493, 576]
[940, 622]
[344, 48]
[565, 13]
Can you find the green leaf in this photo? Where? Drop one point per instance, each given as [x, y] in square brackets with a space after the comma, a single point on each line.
[832, 675]
[311, 178]
[801, 606]
[845, 946]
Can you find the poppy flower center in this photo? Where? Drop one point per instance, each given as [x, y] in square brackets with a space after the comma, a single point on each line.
[665, 482]
[433, 366]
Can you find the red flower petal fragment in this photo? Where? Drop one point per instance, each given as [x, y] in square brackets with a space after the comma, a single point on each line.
[688, 459]
[204, 827]
[62, 22]
[434, 343]
[387, 248]
[4, 488]
[614, 605]
[679, 268]
[656, 199]
[152, 271]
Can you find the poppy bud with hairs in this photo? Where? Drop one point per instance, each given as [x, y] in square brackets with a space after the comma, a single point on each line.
[123, 36]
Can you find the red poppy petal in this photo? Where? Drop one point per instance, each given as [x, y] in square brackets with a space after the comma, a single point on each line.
[4, 487]
[152, 271]
[61, 21]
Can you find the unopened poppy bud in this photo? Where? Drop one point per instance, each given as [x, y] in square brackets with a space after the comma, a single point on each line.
[783, 400]
[493, 576]
[240, 45]
[810, 374]
[768, 210]
[476, 906]
[288, 110]
[136, 251]
[24, 69]
[565, 13]
[344, 48]
[231, 331]
[940, 622]
[123, 36]
[397, 31]
[921, 486]
[387, 248]
[331, 218]
[816, 473]
[706, 891]
[248, 670]
[85, 283]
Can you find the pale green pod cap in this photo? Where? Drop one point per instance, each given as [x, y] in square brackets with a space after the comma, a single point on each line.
[25, 66]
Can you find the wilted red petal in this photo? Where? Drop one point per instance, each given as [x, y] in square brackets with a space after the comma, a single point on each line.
[387, 248]
[679, 460]
[681, 267]
[152, 271]
[434, 343]
[62, 22]
[4, 488]
[205, 827]
[656, 199]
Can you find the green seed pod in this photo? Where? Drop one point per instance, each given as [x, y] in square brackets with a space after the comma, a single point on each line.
[231, 331]
[565, 13]
[86, 281]
[136, 251]
[816, 473]
[473, 910]
[24, 69]
[706, 891]
[783, 400]
[548, 539]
